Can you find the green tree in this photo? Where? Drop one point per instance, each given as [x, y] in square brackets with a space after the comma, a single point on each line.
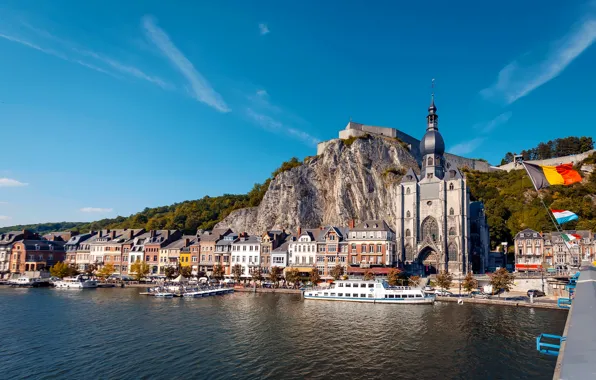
[337, 272]
[393, 276]
[369, 275]
[90, 269]
[73, 271]
[292, 276]
[257, 275]
[218, 272]
[413, 281]
[170, 273]
[274, 275]
[469, 283]
[60, 270]
[185, 272]
[444, 280]
[237, 272]
[106, 271]
[314, 276]
[502, 280]
[139, 270]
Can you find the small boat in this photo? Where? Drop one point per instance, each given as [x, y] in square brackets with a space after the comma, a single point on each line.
[27, 282]
[78, 282]
[164, 295]
[370, 291]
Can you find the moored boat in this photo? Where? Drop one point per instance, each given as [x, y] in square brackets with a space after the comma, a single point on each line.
[164, 295]
[370, 291]
[28, 282]
[78, 282]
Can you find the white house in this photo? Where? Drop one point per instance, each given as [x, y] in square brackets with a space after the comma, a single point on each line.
[246, 251]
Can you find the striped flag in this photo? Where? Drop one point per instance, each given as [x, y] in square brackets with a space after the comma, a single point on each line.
[563, 216]
[570, 239]
[545, 176]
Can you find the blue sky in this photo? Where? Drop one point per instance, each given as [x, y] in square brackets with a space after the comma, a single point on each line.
[108, 107]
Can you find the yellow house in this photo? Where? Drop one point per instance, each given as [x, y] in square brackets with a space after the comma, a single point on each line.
[185, 257]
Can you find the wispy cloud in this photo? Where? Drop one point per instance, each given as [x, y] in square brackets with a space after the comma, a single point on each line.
[492, 124]
[54, 53]
[96, 209]
[272, 125]
[516, 80]
[202, 90]
[9, 182]
[263, 29]
[4, 217]
[262, 93]
[467, 146]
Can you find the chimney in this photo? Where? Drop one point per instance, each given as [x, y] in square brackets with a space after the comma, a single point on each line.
[299, 231]
[99, 233]
[152, 233]
[113, 234]
[167, 234]
[351, 224]
[186, 241]
[131, 234]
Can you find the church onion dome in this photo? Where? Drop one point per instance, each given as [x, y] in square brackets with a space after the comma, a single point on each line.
[432, 143]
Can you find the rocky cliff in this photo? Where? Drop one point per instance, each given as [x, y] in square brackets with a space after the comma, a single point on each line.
[352, 179]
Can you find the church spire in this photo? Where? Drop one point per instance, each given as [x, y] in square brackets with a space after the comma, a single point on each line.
[432, 118]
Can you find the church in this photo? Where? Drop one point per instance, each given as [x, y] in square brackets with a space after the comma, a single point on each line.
[438, 228]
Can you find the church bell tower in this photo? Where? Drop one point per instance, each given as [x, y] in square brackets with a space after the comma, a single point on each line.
[432, 146]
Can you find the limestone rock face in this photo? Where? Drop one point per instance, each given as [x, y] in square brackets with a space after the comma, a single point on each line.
[348, 181]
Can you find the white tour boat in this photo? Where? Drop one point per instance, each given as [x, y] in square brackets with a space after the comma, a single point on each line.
[370, 291]
[77, 282]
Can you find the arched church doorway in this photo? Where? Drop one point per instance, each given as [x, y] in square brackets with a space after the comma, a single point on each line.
[428, 260]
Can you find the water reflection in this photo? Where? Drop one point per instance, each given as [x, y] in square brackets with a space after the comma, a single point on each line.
[115, 333]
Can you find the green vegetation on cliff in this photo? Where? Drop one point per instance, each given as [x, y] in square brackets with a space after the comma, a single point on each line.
[512, 204]
[554, 148]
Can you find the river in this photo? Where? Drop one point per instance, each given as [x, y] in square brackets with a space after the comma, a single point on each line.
[118, 334]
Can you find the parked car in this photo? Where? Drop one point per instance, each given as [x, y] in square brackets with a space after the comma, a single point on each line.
[443, 293]
[535, 293]
[478, 294]
[429, 289]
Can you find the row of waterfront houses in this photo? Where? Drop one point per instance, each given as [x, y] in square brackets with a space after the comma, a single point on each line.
[368, 245]
[533, 249]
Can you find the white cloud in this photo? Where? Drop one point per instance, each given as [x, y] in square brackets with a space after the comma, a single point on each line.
[270, 124]
[9, 182]
[515, 80]
[262, 93]
[4, 217]
[96, 209]
[54, 53]
[466, 146]
[263, 29]
[490, 125]
[202, 90]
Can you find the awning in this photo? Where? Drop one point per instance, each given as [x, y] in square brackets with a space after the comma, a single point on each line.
[528, 266]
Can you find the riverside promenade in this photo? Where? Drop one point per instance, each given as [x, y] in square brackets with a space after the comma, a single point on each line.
[578, 352]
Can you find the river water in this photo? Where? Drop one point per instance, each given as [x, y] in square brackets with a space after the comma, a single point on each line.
[118, 334]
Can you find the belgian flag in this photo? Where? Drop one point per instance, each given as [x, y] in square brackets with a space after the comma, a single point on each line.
[545, 176]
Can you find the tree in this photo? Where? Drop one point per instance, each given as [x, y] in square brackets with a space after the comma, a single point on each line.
[60, 270]
[469, 283]
[257, 275]
[237, 272]
[292, 275]
[274, 275]
[393, 276]
[369, 275]
[337, 272]
[73, 271]
[90, 269]
[413, 281]
[218, 272]
[502, 280]
[444, 280]
[185, 272]
[314, 276]
[139, 269]
[170, 273]
[106, 271]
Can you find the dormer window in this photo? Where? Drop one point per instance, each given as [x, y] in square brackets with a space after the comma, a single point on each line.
[365, 225]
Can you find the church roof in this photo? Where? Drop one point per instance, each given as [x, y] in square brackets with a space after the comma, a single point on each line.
[454, 173]
[410, 176]
[432, 143]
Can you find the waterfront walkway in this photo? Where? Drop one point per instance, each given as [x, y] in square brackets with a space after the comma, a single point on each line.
[578, 352]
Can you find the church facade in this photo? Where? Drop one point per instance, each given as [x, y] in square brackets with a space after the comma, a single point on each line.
[438, 228]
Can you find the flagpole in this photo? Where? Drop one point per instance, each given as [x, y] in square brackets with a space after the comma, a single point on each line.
[520, 160]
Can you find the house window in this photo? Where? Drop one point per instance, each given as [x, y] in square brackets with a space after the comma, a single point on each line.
[363, 248]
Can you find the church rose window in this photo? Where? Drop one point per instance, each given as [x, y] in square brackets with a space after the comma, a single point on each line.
[430, 229]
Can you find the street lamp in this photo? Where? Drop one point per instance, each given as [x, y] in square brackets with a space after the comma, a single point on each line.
[504, 244]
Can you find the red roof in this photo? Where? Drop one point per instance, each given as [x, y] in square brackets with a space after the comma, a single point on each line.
[357, 270]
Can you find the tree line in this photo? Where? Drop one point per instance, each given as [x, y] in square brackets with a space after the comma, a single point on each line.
[560, 147]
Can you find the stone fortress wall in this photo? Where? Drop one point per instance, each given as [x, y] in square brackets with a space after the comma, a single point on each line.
[356, 129]
[574, 159]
